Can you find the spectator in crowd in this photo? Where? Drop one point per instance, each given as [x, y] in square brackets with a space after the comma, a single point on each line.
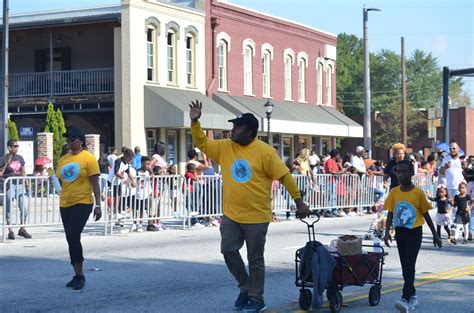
[468, 173]
[249, 167]
[122, 173]
[78, 172]
[399, 152]
[158, 158]
[346, 162]
[451, 167]
[112, 157]
[431, 164]
[189, 183]
[143, 192]
[331, 167]
[376, 170]
[314, 161]
[13, 165]
[357, 161]
[137, 159]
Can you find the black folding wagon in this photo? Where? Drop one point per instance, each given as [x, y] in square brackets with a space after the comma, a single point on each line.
[352, 270]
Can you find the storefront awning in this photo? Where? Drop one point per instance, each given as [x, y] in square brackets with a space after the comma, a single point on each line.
[293, 117]
[169, 108]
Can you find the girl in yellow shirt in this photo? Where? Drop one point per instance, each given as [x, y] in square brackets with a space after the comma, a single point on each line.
[408, 209]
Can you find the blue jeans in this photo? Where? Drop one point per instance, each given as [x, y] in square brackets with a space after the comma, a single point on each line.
[378, 194]
[16, 192]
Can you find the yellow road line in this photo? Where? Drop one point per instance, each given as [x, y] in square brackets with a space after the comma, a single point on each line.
[419, 282]
[422, 280]
[400, 282]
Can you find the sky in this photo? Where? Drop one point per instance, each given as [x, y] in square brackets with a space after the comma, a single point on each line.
[444, 28]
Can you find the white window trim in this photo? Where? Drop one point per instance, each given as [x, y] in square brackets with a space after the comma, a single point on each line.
[302, 82]
[155, 52]
[303, 55]
[223, 42]
[248, 43]
[289, 96]
[290, 52]
[319, 81]
[248, 85]
[223, 36]
[269, 53]
[174, 80]
[330, 69]
[193, 59]
[268, 47]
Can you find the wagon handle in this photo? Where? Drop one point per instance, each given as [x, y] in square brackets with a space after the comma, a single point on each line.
[316, 219]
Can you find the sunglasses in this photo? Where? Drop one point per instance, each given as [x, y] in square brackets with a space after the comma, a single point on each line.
[452, 148]
[14, 146]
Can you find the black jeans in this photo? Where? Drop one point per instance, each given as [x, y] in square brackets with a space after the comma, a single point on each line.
[74, 219]
[233, 237]
[408, 244]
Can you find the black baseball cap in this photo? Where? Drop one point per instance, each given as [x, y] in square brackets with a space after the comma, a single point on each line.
[75, 132]
[246, 119]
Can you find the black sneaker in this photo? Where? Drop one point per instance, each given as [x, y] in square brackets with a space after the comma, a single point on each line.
[79, 282]
[70, 284]
[11, 236]
[151, 227]
[24, 233]
[242, 300]
[254, 307]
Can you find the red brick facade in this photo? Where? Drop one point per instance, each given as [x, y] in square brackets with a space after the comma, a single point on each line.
[241, 24]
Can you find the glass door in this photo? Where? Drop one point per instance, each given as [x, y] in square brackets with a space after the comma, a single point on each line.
[172, 146]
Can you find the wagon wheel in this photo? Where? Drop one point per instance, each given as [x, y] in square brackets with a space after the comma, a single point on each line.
[374, 295]
[335, 301]
[305, 299]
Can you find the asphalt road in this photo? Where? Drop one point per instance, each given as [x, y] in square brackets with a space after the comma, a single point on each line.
[183, 271]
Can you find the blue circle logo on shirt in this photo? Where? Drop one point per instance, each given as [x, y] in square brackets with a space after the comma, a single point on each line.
[70, 171]
[241, 171]
[404, 214]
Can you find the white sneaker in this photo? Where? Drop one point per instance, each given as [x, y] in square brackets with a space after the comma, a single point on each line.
[413, 302]
[402, 306]
[140, 228]
[133, 227]
[198, 225]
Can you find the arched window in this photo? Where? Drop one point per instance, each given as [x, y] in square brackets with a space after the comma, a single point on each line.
[152, 30]
[191, 59]
[329, 84]
[302, 64]
[288, 61]
[222, 47]
[172, 36]
[266, 58]
[319, 82]
[248, 58]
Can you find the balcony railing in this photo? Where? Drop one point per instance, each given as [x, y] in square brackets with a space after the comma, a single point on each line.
[75, 82]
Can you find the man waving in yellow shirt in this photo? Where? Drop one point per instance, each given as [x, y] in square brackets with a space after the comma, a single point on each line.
[248, 168]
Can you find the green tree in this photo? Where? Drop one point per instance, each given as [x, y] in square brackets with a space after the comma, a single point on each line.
[55, 124]
[349, 84]
[12, 130]
[389, 125]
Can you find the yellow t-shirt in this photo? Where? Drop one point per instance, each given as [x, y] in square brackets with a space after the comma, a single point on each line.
[74, 172]
[247, 175]
[407, 207]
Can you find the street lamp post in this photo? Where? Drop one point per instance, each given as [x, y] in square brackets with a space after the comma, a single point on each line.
[268, 110]
[367, 115]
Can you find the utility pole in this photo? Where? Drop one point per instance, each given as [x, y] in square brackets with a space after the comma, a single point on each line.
[404, 97]
[367, 110]
[4, 102]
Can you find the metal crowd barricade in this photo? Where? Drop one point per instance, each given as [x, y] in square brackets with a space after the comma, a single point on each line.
[426, 182]
[32, 202]
[204, 197]
[146, 199]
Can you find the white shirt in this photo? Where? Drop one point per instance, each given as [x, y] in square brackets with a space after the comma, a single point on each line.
[111, 160]
[453, 173]
[313, 159]
[358, 163]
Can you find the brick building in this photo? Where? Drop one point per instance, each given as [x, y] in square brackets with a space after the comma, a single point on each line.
[255, 57]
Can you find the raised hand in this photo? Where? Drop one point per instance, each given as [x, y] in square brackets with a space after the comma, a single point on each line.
[195, 112]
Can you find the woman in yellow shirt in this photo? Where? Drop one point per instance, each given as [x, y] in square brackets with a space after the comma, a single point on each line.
[78, 172]
[408, 209]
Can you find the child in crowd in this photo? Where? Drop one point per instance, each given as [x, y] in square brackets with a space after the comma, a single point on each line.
[461, 202]
[408, 209]
[443, 216]
[190, 178]
[143, 190]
